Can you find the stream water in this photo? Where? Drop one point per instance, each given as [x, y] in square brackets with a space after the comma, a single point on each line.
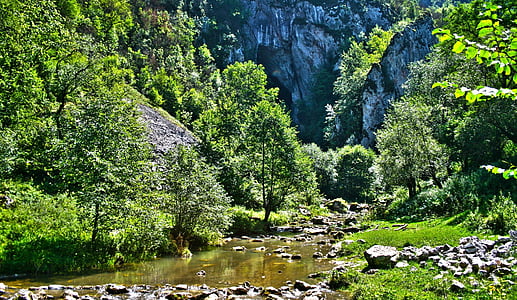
[223, 267]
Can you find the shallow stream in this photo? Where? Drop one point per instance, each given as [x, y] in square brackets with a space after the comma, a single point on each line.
[221, 266]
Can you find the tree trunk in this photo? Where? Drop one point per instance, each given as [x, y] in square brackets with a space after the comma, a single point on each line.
[412, 187]
[95, 229]
[266, 215]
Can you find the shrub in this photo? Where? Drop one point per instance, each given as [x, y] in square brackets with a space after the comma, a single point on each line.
[247, 221]
[502, 216]
[41, 233]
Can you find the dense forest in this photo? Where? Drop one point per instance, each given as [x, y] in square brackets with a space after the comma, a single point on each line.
[82, 188]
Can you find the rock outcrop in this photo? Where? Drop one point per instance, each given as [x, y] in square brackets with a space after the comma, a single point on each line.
[473, 255]
[386, 79]
[379, 256]
[294, 39]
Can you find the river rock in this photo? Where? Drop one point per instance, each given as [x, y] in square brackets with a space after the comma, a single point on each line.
[238, 290]
[207, 295]
[279, 250]
[272, 291]
[381, 256]
[274, 297]
[178, 296]
[337, 235]
[351, 229]
[457, 286]
[315, 231]
[182, 287]
[114, 289]
[337, 205]
[70, 294]
[303, 286]
[319, 220]
[239, 248]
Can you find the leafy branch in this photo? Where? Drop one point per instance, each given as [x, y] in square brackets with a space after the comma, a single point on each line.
[497, 48]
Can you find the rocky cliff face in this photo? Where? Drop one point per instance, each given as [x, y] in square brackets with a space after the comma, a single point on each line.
[385, 80]
[294, 39]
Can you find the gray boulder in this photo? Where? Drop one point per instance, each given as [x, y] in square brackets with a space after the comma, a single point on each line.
[381, 257]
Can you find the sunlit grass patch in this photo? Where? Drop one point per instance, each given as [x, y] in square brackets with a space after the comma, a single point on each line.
[431, 233]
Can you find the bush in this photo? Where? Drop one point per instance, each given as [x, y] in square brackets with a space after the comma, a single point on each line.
[354, 179]
[41, 233]
[247, 221]
[499, 219]
[459, 193]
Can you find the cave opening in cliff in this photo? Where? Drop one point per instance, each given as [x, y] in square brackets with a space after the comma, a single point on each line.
[265, 57]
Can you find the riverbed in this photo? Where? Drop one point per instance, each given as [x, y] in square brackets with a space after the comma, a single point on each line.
[260, 264]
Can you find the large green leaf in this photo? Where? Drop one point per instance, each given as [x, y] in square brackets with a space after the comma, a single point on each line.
[458, 47]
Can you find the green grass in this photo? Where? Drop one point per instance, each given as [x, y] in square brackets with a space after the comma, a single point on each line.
[419, 284]
[430, 233]
[413, 282]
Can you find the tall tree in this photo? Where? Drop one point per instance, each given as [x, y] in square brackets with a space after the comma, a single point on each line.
[103, 158]
[274, 155]
[194, 201]
[407, 150]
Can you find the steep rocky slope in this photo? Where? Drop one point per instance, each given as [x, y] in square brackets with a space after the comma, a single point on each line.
[385, 80]
[294, 39]
[164, 135]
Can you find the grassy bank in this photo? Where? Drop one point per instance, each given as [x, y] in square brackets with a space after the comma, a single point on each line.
[414, 281]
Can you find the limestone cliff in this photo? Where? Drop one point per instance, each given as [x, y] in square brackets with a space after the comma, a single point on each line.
[293, 39]
[385, 80]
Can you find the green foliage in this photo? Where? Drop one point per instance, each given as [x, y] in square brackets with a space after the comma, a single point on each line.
[498, 218]
[324, 164]
[407, 150]
[245, 221]
[344, 118]
[343, 280]
[194, 202]
[495, 45]
[344, 172]
[431, 233]
[41, 233]
[354, 180]
[102, 157]
[401, 284]
[418, 282]
[274, 156]
[250, 138]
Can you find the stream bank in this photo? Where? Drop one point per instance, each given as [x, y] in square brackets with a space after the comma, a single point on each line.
[285, 265]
